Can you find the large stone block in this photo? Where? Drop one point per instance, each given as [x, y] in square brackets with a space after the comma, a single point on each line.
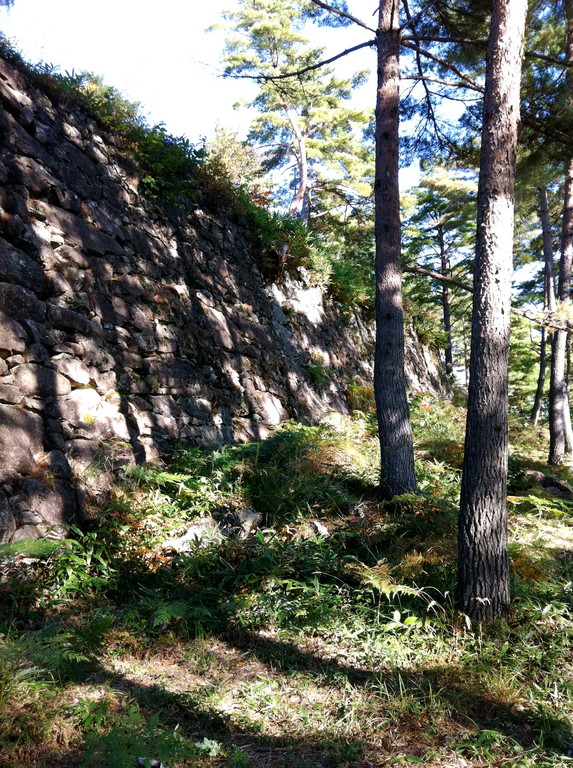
[10, 394]
[65, 198]
[60, 317]
[145, 421]
[67, 253]
[22, 143]
[199, 408]
[27, 532]
[94, 457]
[83, 455]
[21, 441]
[146, 246]
[223, 332]
[79, 406]
[54, 503]
[41, 334]
[106, 424]
[141, 321]
[21, 303]
[79, 232]
[34, 176]
[270, 408]
[92, 353]
[17, 267]
[35, 380]
[72, 368]
[57, 464]
[12, 335]
[179, 377]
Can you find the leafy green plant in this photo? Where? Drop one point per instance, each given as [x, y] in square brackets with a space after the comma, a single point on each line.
[354, 628]
[318, 373]
[351, 282]
[133, 736]
[542, 505]
[81, 566]
[93, 715]
[237, 758]
[360, 396]
[210, 746]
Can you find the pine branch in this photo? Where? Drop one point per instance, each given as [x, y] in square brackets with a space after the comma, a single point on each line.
[453, 40]
[304, 70]
[344, 15]
[483, 44]
[544, 322]
[548, 59]
[435, 80]
[416, 16]
[417, 270]
[444, 63]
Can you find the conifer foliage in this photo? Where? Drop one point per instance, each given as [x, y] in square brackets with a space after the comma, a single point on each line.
[304, 124]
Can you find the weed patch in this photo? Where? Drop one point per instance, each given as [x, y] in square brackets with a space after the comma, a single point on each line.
[326, 637]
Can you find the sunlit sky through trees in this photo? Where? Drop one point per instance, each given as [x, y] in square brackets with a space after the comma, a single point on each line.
[157, 53]
[161, 55]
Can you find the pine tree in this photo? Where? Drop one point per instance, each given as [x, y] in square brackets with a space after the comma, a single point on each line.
[439, 236]
[561, 442]
[303, 123]
[238, 159]
[396, 444]
[483, 563]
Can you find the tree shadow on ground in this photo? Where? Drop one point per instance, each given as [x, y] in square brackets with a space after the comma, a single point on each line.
[423, 705]
[452, 688]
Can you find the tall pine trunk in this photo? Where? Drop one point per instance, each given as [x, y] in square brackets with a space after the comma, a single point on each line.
[559, 415]
[559, 445]
[302, 194]
[538, 400]
[446, 304]
[549, 301]
[483, 563]
[394, 429]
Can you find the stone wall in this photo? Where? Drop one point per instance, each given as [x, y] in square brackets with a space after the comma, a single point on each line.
[123, 329]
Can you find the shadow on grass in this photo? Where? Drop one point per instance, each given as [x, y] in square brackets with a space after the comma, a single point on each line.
[422, 708]
[450, 688]
[427, 707]
[411, 702]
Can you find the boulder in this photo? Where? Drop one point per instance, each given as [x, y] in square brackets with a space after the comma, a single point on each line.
[54, 503]
[37, 380]
[21, 440]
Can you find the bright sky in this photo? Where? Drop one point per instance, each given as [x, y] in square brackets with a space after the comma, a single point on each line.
[158, 53]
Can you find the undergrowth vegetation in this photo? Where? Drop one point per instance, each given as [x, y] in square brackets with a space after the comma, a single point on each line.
[326, 637]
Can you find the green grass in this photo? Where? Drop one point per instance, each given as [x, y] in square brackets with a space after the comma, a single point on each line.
[289, 648]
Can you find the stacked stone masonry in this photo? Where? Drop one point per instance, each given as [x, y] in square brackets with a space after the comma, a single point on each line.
[123, 328]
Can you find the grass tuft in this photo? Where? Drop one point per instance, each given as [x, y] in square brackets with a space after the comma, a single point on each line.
[327, 637]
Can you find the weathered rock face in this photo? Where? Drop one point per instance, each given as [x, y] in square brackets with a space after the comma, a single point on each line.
[122, 329]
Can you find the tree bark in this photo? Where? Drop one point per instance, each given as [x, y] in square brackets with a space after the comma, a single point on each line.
[567, 410]
[549, 301]
[559, 415]
[398, 475]
[302, 194]
[446, 304]
[538, 400]
[483, 563]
